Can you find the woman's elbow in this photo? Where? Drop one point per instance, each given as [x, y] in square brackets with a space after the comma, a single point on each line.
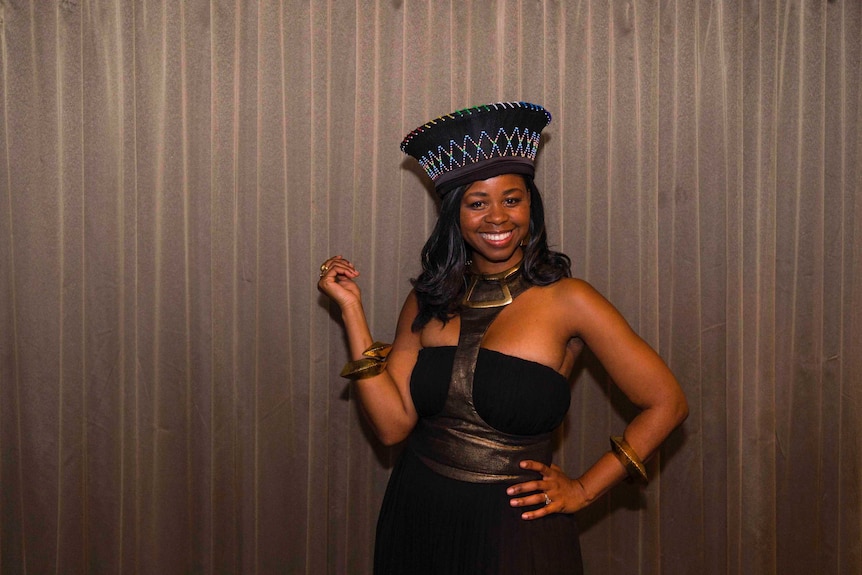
[680, 409]
[393, 434]
[391, 439]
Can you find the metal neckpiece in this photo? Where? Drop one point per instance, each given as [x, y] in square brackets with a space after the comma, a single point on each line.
[504, 293]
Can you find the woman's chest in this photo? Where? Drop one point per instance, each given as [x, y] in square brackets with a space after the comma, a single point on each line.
[531, 332]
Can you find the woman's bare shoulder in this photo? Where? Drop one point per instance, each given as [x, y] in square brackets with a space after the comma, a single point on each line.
[580, 306]
[574, 291]
[409, 311]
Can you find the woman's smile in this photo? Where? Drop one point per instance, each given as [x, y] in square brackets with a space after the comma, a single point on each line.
[497, 237]
[495, 220]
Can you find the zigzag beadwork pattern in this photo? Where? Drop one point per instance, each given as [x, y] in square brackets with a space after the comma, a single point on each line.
[521, 142]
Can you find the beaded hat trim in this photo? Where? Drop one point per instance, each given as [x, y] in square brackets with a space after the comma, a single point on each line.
[458, 144]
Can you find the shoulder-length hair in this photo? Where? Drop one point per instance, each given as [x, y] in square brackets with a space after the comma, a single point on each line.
[441, 285]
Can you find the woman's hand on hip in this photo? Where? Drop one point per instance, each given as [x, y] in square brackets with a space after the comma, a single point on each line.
[555, 491]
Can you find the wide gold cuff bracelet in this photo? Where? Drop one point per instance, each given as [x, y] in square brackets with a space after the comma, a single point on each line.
[630, 460]
[373, 362]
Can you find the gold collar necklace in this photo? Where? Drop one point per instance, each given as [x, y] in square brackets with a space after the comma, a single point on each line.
[502, 279]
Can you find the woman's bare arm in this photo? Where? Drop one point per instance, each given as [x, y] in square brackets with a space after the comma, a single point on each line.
[639, 372]
[385, 398]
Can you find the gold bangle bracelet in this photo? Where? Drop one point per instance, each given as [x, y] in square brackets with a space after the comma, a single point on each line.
[372, 363]
[629, 459]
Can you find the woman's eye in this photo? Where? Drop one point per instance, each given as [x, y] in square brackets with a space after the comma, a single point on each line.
[477, 205]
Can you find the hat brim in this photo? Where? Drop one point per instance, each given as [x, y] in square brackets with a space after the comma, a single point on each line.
[482, 171]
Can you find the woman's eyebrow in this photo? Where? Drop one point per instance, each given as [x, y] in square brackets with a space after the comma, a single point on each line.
[485, 194]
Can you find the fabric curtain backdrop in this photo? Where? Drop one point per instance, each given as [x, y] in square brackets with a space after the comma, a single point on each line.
[173, 174]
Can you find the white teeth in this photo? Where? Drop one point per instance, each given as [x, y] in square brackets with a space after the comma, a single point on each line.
[496, 237]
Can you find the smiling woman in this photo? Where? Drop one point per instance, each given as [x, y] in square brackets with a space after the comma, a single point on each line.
[477, 378]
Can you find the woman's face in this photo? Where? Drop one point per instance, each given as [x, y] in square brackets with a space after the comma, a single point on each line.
[495, 218]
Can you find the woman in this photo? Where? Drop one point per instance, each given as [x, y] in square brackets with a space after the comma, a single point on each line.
[476, 380]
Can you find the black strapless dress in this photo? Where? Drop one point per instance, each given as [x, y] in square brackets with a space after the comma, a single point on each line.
[433, 524]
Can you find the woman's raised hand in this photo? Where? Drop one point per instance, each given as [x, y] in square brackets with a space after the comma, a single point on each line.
[336, 281]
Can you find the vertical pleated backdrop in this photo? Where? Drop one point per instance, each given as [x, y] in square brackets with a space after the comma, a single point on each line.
[172, 174]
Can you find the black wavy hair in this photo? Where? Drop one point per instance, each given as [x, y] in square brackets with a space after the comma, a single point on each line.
[440, 287]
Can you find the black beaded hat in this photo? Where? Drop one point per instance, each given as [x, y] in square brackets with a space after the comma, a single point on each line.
[478, 143]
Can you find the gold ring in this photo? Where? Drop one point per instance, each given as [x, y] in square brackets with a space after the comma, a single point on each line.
[324, 268]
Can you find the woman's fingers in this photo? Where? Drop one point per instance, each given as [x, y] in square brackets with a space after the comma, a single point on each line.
[337, 265]
[553, 493]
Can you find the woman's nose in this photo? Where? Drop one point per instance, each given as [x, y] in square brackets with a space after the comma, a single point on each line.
[496, 214]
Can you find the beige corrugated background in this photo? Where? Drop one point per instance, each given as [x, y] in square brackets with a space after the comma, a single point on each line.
[173, 173]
